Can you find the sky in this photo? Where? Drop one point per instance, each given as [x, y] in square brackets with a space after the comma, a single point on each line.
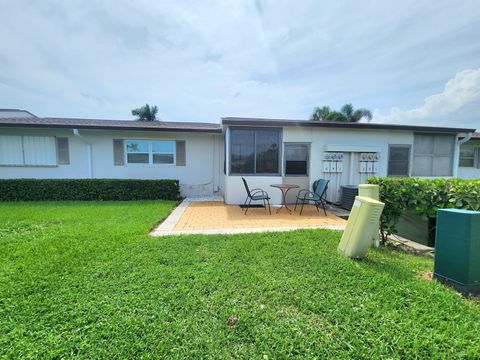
[409, 62]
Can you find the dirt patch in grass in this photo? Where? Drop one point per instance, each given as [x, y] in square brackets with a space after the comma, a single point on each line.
[427, 275]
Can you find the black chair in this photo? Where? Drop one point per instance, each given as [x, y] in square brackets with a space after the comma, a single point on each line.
[255, 195]
[317, 196]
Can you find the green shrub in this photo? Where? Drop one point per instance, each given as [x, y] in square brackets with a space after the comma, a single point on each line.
[423, 196]
[88, 189]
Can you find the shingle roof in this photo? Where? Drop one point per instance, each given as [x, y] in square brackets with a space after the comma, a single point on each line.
[111, 124]
[337, 124]
[10, 113]
[475, 136]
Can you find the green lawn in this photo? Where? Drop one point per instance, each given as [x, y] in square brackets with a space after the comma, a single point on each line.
[85, 280]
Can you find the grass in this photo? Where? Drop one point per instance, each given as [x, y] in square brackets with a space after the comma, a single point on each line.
[85, 280]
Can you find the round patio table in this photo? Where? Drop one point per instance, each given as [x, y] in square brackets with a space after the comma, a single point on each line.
[284, 188]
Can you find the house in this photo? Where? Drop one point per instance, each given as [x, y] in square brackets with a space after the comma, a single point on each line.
[211, 158]
[469, 163]
[88, 148]
[267, 151]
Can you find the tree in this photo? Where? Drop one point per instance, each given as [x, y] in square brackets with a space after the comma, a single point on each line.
[346, 114]
[352, 115]
[146, 113]
[320, 113]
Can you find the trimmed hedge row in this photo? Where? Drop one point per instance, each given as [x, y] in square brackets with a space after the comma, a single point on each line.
[424, 197]
[88, 189]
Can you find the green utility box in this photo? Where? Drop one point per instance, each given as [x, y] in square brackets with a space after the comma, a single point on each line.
[371, 191]
[457, 249]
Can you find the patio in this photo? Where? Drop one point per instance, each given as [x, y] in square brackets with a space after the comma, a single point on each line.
[212, 216]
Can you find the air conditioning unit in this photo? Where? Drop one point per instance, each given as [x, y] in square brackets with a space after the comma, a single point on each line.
[348, 196]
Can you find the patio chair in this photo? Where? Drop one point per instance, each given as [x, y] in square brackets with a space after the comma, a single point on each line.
[317, 196]
[255, 195]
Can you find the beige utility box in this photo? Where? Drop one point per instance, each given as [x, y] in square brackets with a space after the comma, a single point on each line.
[361, 225]
[371, 191]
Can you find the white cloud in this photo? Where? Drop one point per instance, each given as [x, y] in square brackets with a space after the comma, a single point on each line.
[200, 60]
[457, 105]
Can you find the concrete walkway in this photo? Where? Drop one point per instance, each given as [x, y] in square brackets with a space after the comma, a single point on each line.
[212, 216]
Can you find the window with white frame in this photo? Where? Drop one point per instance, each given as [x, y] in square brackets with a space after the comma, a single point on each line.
[150, 152]
[398, 160]
[296, 159]
[469, 156]
[433, 155]
[28, 150]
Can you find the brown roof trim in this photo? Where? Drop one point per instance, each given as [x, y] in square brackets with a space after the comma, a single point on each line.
[340, 125]
[97, 124]
[475, 136]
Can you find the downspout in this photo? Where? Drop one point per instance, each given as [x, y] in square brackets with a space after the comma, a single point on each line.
[456, 157]
[89, 152]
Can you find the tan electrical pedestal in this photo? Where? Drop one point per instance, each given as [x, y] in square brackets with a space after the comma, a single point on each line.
[371, 191]
[362, 223]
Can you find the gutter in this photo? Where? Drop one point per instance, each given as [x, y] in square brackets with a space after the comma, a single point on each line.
[89, 152]
[456, 157]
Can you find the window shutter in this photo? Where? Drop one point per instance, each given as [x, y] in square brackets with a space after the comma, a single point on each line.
[118, 154]
[63, 151]
[181, 155]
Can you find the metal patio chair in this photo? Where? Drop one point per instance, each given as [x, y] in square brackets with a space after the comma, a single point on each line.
[255, 195]
[317, 196]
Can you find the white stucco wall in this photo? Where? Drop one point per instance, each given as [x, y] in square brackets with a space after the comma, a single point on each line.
[201, 176]
[468, 173]
[320, 140]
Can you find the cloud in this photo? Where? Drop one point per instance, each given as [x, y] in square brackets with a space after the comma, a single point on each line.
[200, 60]
[457, 105]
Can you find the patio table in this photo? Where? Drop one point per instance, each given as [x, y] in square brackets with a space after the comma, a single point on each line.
[284, 188]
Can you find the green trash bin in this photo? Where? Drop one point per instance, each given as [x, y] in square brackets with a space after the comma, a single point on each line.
[457, 249]
[371, 191]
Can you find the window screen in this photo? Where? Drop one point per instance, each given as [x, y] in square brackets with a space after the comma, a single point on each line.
[467, 156]
[296, 159]
[398, 160]
[254, 151]
[433, 155]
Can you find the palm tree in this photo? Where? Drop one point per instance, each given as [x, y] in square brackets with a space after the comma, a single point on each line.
[146, 113]
[346, 113]
[320, 113]
[355, 116]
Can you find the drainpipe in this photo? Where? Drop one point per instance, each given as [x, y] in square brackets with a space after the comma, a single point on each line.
[456, 157]
[89, 152]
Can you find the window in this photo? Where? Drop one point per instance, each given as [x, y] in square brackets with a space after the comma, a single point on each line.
[398, 160]
[28, 150]
[296, 159]
[255, 151]
[157, 152]
[433, 155]
[467, 156]
[163, 152]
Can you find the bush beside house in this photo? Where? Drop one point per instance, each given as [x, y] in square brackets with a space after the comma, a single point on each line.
[88, 189]
[423, 197]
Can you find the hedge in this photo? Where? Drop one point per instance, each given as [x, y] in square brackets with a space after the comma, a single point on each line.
[87, 189]
[424, 197]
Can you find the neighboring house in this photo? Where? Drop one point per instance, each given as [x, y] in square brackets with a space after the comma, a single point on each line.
[469, 164]
[15, 113]
[87, 148]
[210, 158]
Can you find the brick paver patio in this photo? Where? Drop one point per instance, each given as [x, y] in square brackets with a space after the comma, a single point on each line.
[216, 217]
